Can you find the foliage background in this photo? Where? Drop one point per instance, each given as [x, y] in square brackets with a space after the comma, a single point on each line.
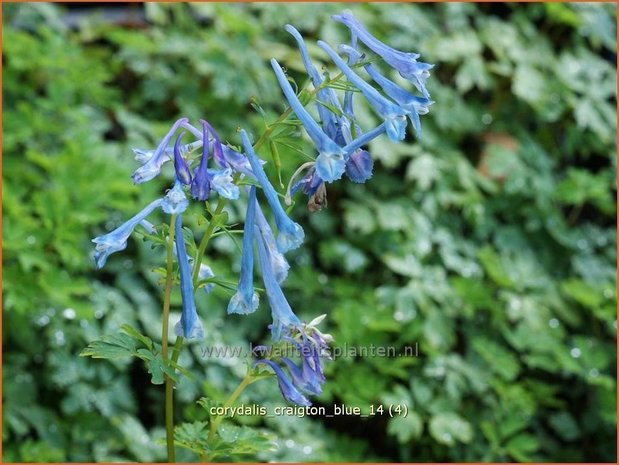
[491, 242]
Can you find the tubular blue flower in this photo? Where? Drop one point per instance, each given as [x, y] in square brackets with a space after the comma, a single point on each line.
[278, 262]
[180, 165]
[245, 300]
[222, 183]
[116, 240]
[189, 326]
[359, 166]
[290, 393]
[394, 116]
[414, 105]
[283, 317]
[201, 184]
[405, 63]
[330, 162]
[290, 233]
[175, 201]
[304, 378]
[326, 94]
[217, 148]
[152, 167]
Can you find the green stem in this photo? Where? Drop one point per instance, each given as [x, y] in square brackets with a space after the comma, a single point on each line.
[169, 392]
[237, 392]
[221, 203]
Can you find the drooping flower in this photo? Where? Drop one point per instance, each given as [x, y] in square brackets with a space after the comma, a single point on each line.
[359, 166]
[283, 317]
[245, 300]
[392, 114]
[205, 179]
[290, 393]
[330, 163]
[405, 63]
[180, 165]
[279, 264]
[116, 240]
[201, 184]
[189, 326]
[152, 167]
[175, 201]
[290, 233]
[414, 105]
[325, 95]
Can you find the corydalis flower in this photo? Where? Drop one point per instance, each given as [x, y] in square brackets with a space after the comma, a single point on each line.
[116, 240]
[290, 393]
[175, 201]
[392, 114]
[152, 167]
[189, 326]
[330, 163]
[278, 262]
[284, 318]
[290, 233]
[405, 63]
[205, 179]
[180, 165]
[246, 300]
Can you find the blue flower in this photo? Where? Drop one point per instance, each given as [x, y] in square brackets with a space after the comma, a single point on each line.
[223, 184]
[359, 166]
[246, 300]
[290, 393]
[283, 317]
[278, 262]
[414, 105]
[290, 233]
[205, 272]
[326, 95]
[180, 165]
[189, 326]
[116, 240]
[152, 167]
[303, 377]
[405, 63]
[330, 163]
[393, 115]
[175, 201]
[201, 184]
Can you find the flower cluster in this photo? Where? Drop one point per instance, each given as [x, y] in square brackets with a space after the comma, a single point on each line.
[339, 142]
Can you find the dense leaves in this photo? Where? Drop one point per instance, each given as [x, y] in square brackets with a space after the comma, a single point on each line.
[489, 245]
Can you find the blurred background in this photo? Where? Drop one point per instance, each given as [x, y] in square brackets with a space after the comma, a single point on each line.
[491, 242]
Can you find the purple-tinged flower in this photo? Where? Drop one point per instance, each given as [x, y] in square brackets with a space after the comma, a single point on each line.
[392, 114]
[116, 240]
[175, 201]
[180, 165]
[290, 393]
[217, 148]
[290, 233]
[245, 300]
[303, 377]
[152, 167]
[201, 184]
[414, 105]
[283, 317]
[189, 326]
[405, 63]
[359, 166]
[279, 264]
[330, 162]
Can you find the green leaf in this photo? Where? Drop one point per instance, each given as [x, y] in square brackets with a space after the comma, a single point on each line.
[449, 428]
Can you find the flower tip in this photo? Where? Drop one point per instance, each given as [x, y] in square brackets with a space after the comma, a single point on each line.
[290, 240]
[195, 332]
[240, 305]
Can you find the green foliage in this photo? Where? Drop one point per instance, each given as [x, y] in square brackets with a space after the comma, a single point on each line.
[490, 244]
